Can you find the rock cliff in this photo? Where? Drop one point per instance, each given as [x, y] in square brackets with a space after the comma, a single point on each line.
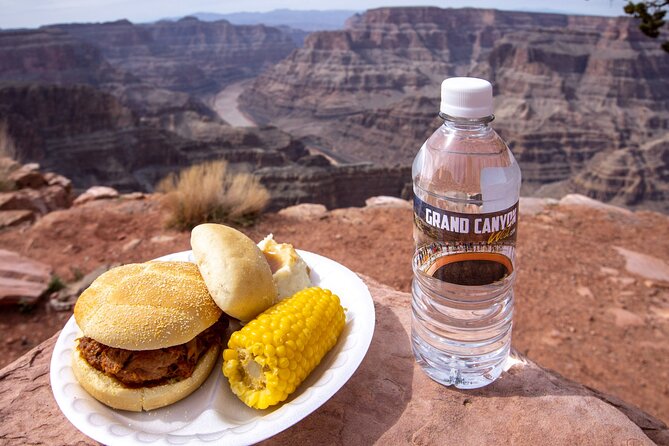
[582, 101]
[94, 139]
[114, 104]
[52, 55]
[335, 186]
[628, 176]
[188, 55]
[566, 88]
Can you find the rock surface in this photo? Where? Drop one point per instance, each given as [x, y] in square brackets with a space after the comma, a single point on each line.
[39, 201]
[28, 176]
[587, 202]
[572, 281]
[306, 211]
[32, 193]
[334, 186]
[389, 400]
[66, 298]
[16, 217]
[96, 193]
[384, 201]
[22, 280]
[371, 93]
[644, 265]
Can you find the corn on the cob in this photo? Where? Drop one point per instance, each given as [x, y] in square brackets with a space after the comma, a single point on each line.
[267, 359]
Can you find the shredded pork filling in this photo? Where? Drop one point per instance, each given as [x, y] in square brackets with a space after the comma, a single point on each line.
[147, 368]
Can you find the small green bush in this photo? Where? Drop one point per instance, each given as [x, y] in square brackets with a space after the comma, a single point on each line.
[55, 284]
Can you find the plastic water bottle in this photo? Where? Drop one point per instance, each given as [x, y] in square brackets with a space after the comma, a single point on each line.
[466, 186]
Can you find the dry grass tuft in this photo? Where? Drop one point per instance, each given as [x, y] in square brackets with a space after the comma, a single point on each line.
[7, 153]
[210, 192]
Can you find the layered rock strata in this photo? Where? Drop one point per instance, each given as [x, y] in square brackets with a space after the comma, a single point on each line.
[188, 55]
[566, 88]
[53, 55]
[94, 139]
[118, 109]
[333, 186]
[629, 176]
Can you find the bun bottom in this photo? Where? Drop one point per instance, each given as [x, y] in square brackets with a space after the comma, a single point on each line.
[111, 392]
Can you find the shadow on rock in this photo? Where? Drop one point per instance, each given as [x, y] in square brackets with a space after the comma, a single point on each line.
[373, 399]
[527, 379]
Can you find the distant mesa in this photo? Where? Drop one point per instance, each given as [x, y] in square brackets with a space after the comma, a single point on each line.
[310, 20]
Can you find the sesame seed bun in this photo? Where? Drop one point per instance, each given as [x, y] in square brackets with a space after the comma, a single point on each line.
[113, 393]
[234, 269]
[146, 306]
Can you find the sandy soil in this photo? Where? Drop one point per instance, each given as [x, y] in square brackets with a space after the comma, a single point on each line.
[578, 309]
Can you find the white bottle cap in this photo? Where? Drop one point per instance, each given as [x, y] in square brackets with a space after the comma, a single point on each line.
[466, 97]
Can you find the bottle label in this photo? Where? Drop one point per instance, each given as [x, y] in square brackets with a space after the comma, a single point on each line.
[443, 225]
[465, 249]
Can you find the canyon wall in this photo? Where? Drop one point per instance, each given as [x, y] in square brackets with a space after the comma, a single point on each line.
[582, 101]
[188, 55]
[567, 88]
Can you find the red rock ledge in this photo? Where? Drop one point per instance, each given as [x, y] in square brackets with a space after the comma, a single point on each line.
[389, 400]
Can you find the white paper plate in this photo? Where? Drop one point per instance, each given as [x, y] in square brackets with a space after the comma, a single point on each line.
[213, 414]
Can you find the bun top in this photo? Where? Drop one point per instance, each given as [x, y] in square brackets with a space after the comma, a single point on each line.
[146, 306]
[234, 269]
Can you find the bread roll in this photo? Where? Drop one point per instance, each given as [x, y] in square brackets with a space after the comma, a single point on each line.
[111, 392]
[234, 269]
[146, 306]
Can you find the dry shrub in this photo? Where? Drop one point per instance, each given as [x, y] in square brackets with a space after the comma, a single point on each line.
[210, 192]
[7, 153]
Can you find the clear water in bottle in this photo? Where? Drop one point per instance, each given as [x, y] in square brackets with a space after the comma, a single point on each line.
[466, 190]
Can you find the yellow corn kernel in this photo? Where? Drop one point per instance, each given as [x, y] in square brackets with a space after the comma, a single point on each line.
[262, 368]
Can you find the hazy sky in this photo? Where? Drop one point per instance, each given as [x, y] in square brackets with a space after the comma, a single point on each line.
[33, 13]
